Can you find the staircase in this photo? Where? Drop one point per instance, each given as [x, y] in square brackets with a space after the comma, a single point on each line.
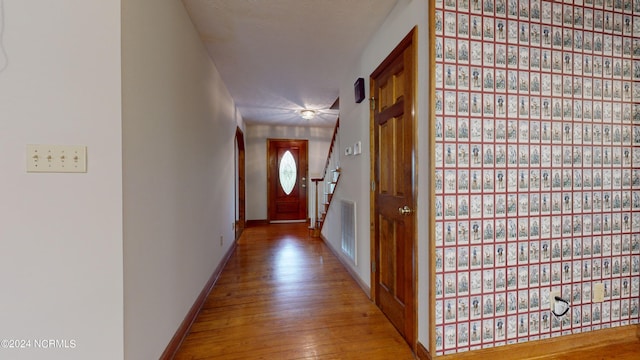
[326, 185]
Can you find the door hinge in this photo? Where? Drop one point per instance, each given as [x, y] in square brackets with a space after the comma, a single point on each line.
[373, 185]
[372, 102]
[373, 266]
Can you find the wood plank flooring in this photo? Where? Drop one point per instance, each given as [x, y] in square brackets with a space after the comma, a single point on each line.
[284, 295]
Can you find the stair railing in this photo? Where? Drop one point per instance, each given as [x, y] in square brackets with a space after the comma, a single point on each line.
[325, 185]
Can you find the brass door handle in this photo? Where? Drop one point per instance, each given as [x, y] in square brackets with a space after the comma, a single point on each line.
[406, 210]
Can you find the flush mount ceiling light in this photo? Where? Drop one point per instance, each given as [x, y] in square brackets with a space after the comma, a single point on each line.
[307, 114]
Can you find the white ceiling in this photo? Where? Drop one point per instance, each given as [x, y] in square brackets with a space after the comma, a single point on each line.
[278, 57]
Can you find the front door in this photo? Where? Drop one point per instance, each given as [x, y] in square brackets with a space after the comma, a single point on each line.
[287, 180]
[393, 168]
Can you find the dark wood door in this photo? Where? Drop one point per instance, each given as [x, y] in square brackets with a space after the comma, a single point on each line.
[287, 180]
[240, 184]
[392, 87]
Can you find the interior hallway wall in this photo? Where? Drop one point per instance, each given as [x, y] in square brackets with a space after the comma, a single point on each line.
[355, 178]
[61, 234]
[547, 204]
[179, 125]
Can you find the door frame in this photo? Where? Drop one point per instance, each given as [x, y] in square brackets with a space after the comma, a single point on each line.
[304, 171]
[409, 40]
[240, 222]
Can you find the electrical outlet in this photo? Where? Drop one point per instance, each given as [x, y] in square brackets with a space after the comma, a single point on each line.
[552, 299]
[559, 306]
[57, 158]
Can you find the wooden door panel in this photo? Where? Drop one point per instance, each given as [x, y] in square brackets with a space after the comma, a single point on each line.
[386, 255]
[387, 304]
[391, 151]
[393, 89]
[386, 158]
[287, 207]
[393, 171]
[392, 84]
[393, 258]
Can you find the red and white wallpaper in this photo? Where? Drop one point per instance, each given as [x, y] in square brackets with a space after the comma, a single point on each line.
[537, 168]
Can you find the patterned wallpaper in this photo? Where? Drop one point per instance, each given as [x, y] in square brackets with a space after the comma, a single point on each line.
[537, 168]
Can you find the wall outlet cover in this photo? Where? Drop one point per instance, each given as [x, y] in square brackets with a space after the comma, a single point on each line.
[598, 292]
[552, 299]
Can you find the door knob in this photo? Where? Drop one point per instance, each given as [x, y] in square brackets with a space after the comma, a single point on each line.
[405, 210]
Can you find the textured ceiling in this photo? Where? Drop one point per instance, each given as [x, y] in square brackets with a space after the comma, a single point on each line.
[278, 57]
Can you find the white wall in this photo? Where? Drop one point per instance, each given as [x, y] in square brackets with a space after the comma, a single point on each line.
[179, 124]
[354, 126]
[61, 234]
[256, 161]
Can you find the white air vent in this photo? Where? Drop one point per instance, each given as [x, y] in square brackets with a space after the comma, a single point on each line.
[349, 229]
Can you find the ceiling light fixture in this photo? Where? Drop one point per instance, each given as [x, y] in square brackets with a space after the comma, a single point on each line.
[307, 114]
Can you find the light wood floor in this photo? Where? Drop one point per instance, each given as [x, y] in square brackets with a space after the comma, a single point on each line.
[284, 295]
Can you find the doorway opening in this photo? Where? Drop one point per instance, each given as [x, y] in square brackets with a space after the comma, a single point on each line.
[240, 220]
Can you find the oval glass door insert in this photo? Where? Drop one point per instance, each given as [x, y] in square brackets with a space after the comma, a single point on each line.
[288, 172]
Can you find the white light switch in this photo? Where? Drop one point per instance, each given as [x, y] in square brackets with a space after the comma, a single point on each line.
[57, 158]
[357, 148]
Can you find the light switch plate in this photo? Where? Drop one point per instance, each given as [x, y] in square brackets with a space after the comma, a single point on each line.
[357, 148]
[57, 158]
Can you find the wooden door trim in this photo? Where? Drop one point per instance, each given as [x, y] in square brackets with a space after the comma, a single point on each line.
[242, 213]
[304, 172]
[411, 39]
[432, 173]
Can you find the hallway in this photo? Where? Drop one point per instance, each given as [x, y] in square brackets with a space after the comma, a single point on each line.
[284, 295]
